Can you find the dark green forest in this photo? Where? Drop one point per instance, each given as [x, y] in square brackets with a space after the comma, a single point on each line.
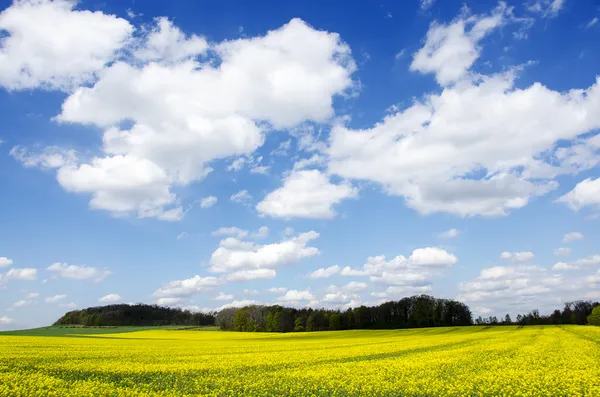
[140, 314]
[410, 312]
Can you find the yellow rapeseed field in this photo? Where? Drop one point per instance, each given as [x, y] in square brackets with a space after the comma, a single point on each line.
[467, 361]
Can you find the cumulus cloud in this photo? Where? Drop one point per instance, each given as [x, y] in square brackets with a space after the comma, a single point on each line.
[277, 290]
[26, 273]
[234, 255]
[590, 261]
[186, 112]
[426, 4]
[167, 43]
[306, 194]
[572, 236]
[32, 295]
[451, 233]
[446, 152]
[450, 50]
[187, 287]
[519, 288]
[295, 296]
[230, 231]
[48, 158]
[586, 193]
[5, 262]
[75, 272]
[55, 298]
[417, 270]
[4, 320]
[208, 202]
[562, 251]
[70, 305]
[22, 303]
[110, 298]
[517, 256]
[50, 45]
[168, 301]
[242, 197]
[254, 274]
[223, 297]
[237, 303]
[325, 272]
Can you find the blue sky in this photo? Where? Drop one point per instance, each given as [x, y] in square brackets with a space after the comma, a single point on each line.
[211, 155]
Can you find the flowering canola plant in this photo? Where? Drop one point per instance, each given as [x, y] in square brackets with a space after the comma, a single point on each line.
[461, 361]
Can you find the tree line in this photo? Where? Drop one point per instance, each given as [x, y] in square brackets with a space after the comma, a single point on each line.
[139, 314]
[409, 312]
[577, 312]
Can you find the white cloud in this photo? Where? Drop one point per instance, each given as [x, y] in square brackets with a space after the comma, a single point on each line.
[238, 303]
[426, 4]
[32, 295]
[446, 152]
[168, 301]
[546, 8]
[235, 255]
[237, 164]
[182, 235]
[399, 291]
[325, 272]
[50, 45]
[450, 50]
[208, 202]
[26, 273]
[562, 251]
[5, 262]
[572, 236]
[586, 193]
[338, 298]
[110, 298]
[167, 43]
[262, 232]
[241, 197]
[254, 274]
[592, 23]
[296, 296]
[223, 297]
[352, 286]
[251, 291]
[75, 272]
[306, 194]
[187, 287]
[592, 260]
[187, 113]
[5, 320]
[123, 184]
[517, 256]
[417, 270]
[71, 305]
[451, 233]
[23, 303]
[230, 231]
[48, 158]
[520, 288]
[563, 266]
[277, 290]
[430, 152]
[55, 298]
[260, 169]
[283, 148]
